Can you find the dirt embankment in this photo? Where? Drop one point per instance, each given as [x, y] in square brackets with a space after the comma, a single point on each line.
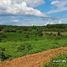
[34, 60]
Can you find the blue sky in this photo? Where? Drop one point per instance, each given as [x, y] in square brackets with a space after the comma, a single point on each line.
[48, 6]
[28, 12]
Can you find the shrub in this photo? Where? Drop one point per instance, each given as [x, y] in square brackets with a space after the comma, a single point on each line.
[3, 55]
[59, 33]
[58, 61]
[25, 48]
[2, 36]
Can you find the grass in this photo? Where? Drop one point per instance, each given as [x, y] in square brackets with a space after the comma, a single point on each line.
[58, 61]
[38, 44]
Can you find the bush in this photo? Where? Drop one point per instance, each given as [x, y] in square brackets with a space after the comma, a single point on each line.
[2, 36]
[25, 48]
[3, 55]
[59, 34]
[58, 61]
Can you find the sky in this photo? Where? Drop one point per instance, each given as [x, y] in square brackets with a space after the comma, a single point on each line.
[33, 12]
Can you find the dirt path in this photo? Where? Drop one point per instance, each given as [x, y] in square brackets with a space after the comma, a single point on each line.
[35, 60]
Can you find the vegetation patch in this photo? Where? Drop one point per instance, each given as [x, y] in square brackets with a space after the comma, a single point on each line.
[22, 40]
[58, 61]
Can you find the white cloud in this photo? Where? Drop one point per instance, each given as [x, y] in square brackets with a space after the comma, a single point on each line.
[60, 22]
[20, 7]
[57, 10]
[5, 3]
[60, 6]
[59, 3]
[30, 2]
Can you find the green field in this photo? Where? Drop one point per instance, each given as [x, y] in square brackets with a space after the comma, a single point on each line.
[20, 41]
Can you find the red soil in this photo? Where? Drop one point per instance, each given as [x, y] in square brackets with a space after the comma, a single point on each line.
[34, 60]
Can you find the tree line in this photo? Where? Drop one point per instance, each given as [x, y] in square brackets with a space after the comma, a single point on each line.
[49, 27]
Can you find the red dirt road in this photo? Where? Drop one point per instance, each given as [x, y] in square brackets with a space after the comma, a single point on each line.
[34, 60]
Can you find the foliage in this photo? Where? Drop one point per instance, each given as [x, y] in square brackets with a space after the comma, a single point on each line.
[3, 56]
[23, 40]
[58, 61]
[2, 36]
[25, 48]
